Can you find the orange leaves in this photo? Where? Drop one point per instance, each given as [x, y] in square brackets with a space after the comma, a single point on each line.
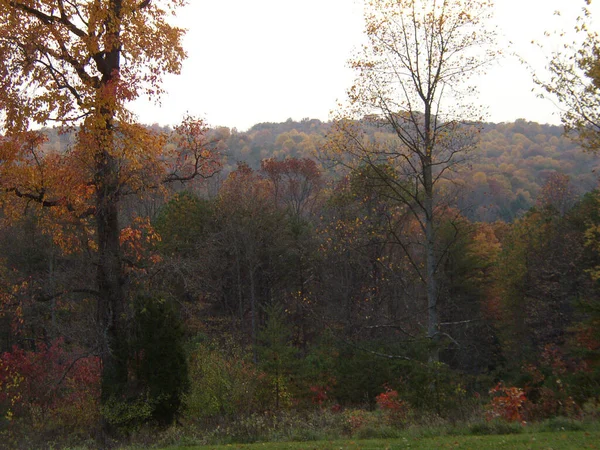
[295, 182]
[245, 185]
[51, 181]
[195, 151]
[507, 403]
[138, 242]
[64, 57]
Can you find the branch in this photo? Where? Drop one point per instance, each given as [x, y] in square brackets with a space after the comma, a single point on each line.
[50, 19]
[143, 5]
[68, 369]
[460, 322]
[40, 199]
[50, 297]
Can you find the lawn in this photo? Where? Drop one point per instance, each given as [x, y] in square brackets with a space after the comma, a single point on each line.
[533, 440]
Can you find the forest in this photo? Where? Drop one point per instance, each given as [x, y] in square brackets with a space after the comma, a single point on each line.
[393, 267]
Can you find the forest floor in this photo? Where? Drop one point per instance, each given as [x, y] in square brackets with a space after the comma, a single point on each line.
[536, 440]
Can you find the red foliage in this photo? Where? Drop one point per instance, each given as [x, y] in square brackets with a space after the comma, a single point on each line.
[394, 408]
[49, 384]
[319, 394]
[294, 181]
[507, 403]
[548, 391]
[336, 408]
[389, 400]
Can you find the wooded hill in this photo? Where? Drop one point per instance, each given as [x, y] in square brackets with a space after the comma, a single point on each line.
[502, 178]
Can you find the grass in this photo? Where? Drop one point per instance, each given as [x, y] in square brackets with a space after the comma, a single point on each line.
[529, 440]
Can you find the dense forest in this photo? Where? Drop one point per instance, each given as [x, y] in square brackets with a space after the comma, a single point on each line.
[280, 283]
[502, 178]
[403, 265]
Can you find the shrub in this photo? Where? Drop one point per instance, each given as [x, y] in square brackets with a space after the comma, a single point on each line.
[50, 390]
[507, 403]
[561, 424]
[552, 385]
[160, 363]
[395, 410]
[224, 383]
[356, 420]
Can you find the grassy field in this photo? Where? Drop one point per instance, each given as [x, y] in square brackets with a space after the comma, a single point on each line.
[538, 440]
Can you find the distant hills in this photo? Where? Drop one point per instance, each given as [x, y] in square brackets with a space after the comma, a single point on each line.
[502, 180]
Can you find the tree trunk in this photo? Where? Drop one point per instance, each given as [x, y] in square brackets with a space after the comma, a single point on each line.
[111, 301]
[430, 260]
[109, 272]
[432, 294]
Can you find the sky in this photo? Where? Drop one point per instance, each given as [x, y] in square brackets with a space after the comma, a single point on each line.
[270, 60]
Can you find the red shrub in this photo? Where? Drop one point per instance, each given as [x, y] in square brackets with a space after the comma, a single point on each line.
[49, 386]
[394, 408]
[319, 394]
[507, 403]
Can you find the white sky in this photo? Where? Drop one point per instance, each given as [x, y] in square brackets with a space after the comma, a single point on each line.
[252, 61]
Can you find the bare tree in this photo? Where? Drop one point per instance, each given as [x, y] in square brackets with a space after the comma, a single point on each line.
[408, 109]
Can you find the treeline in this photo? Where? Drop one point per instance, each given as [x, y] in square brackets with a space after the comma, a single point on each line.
[503, 178]
[282, 287]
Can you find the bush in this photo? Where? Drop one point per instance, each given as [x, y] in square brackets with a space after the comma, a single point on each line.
[561, 424]
[160, 362]
[507, 403]
[52, 391]
[395, 410]
[224, 383]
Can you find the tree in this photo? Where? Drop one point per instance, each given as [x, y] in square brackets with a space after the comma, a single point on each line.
[295, 182]
[574, 80]
[252, 246]
[79, 63]
[296, 185]
[414, 69]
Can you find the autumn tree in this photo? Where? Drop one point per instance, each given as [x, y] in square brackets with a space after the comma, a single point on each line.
[296, 185]
[412, 84]
[79, 63]
[574, 80]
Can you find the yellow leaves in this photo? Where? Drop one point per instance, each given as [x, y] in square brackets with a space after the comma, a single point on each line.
[63, 58]
[138, 241]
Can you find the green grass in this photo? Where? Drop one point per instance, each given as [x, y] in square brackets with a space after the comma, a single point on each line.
[530, 440]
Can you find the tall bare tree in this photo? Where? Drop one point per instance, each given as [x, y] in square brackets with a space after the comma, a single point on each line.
[413, 86]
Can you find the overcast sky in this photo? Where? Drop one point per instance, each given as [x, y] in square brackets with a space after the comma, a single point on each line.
[270, 60]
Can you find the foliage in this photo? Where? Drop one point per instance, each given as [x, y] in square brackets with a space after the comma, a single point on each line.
[507, 403]
[360, 374]
[295, 183]
[362, 291]
[553, 384]
[52, 389]
[160, 364]
[181, 223]
[574, 80]
[224, 384]
[277, 357]
[80, 64]
[395, 410]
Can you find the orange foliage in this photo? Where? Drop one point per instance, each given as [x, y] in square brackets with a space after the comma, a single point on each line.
[507, 403]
